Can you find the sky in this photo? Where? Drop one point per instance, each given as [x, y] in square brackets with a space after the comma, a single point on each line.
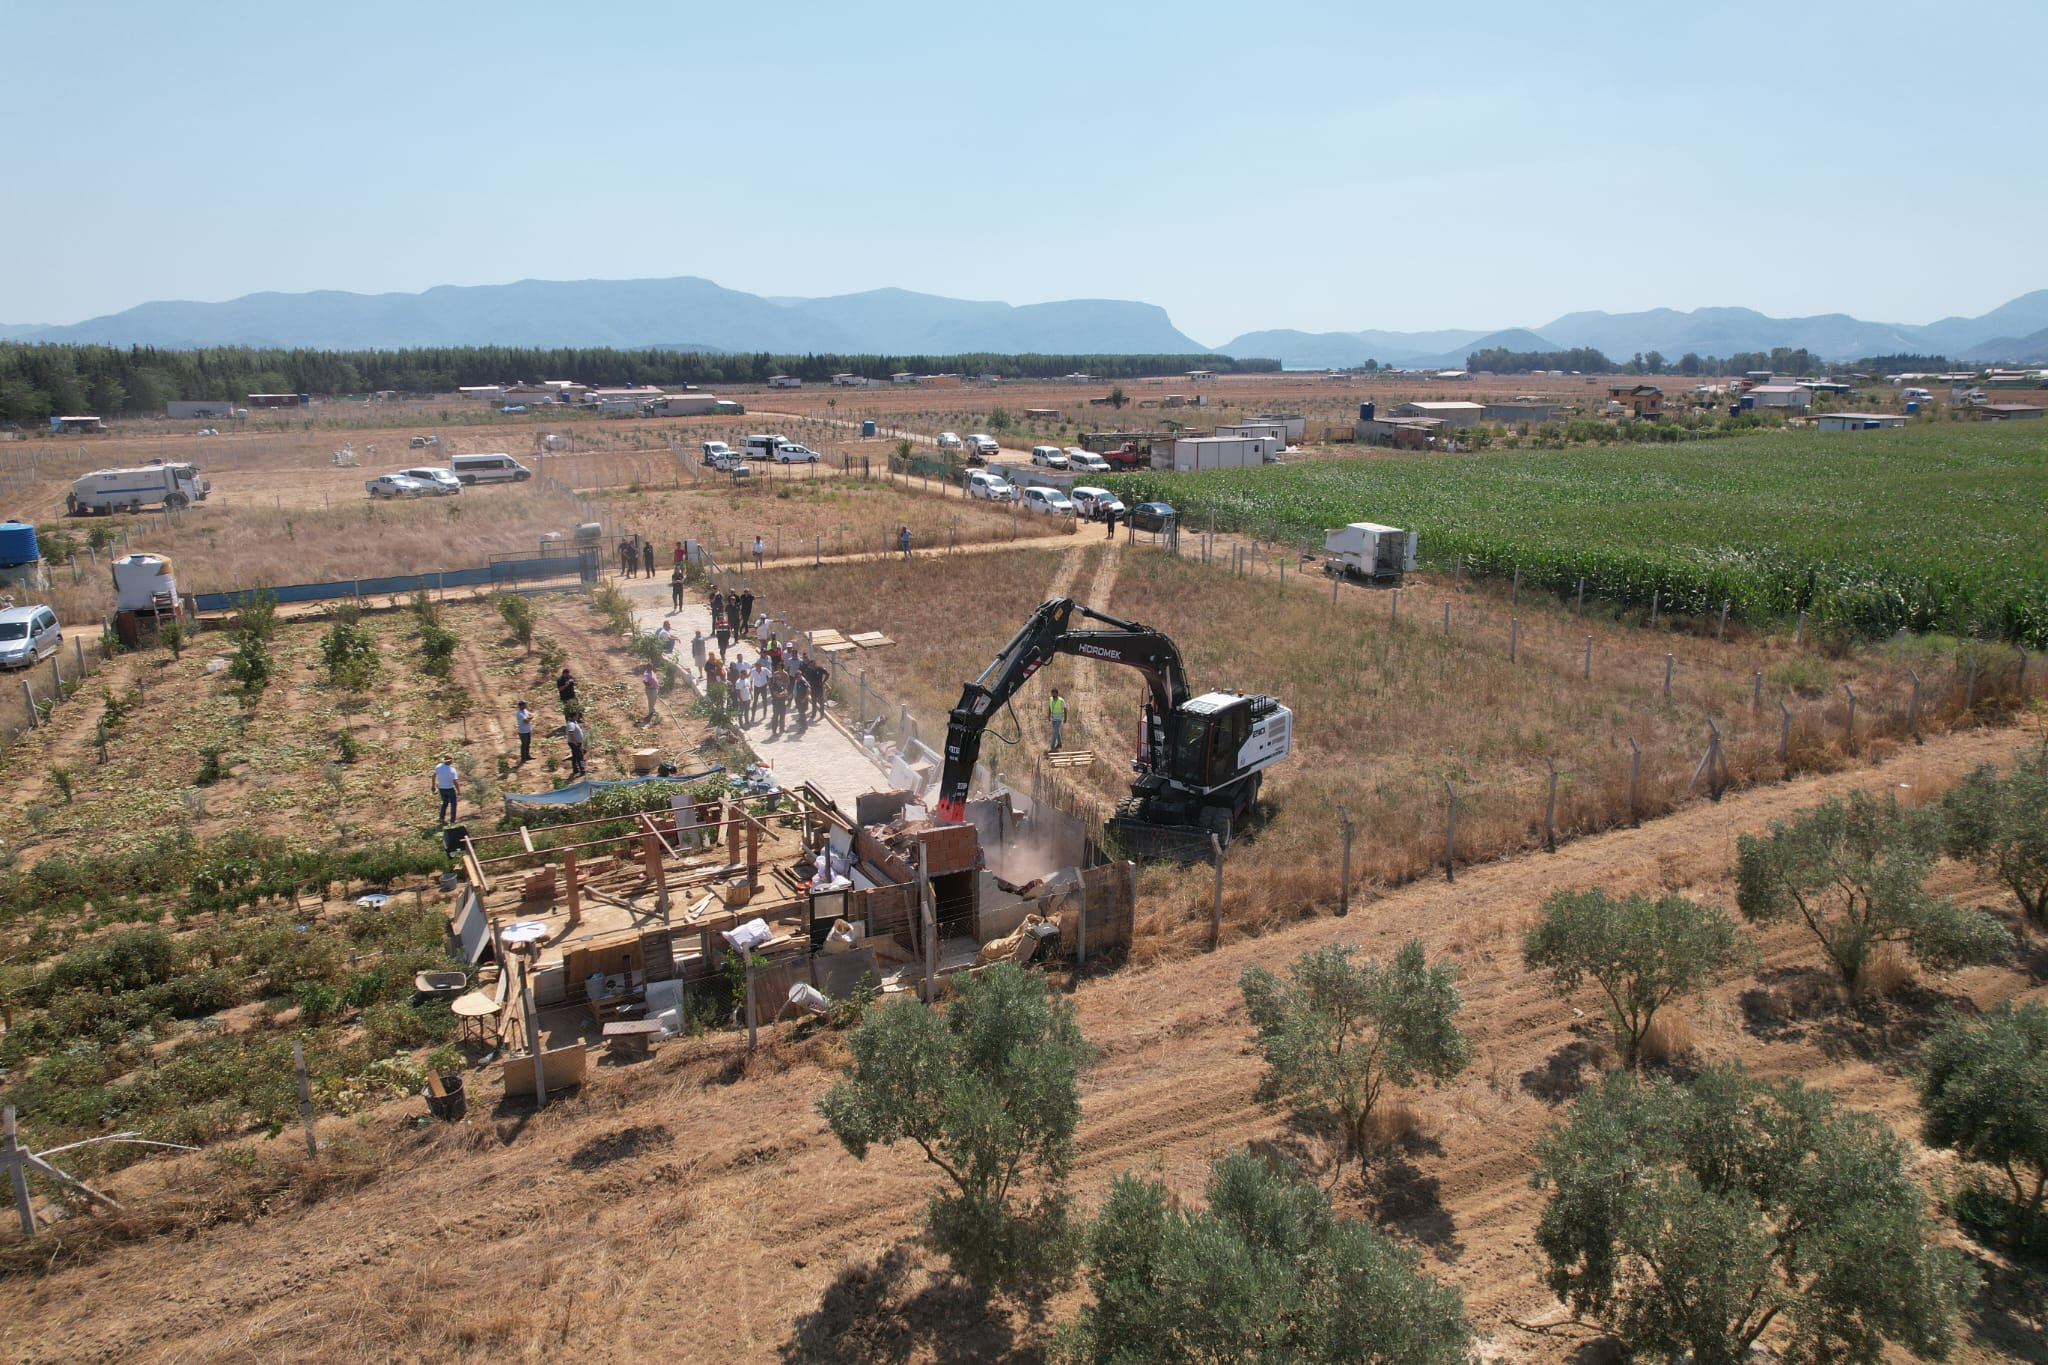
[1246, 166]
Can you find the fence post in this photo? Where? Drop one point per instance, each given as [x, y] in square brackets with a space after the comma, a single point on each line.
[1514, 633]
[1333, 590]
[1913, 708]
[861, 715]
[305, 1097]
[1515, 600]
[1394, 613]
[1550, 810]
[10, 1156]
[1851, 728]
[1784, 729]
[1721, 635]
[1447, 618]
[1635, 771]
[1756, 691]
[1216, 904]
[1970, 691]
[817, 550]
[1581, 609]
[1714, 761]
[78, 648]
[1654, 595]
[28, 694]
[1344, 892]
[1450, 830]
[2022, 681]
[1668, 661]
[1589, 658]
[57, 675]
[1799, 633]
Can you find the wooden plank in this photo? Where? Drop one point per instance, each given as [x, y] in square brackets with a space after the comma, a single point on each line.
[840, 648]
[1070, 758]
[526, 838]
[561, 1066]
[821, 638]
[873, 639]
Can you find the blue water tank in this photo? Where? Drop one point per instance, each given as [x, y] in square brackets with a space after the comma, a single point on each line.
[867, 428]
[1735, 409]
[18, 544]
[1365, 412]
[1749, 402]
[1912, 407]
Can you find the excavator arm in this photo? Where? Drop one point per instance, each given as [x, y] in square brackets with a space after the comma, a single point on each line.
[1029, 650]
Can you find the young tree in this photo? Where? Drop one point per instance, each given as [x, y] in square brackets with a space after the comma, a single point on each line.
[1695, 1218]
[1339, 1032]
[1266, 1272]
[2002, 827]
[1642, 953]
[1985, 1093]
[1854, 872]
[988, 1091]
[1117, 398]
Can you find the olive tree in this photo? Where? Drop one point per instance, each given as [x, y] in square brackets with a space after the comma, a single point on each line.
[1854, 873]
[1338, 1032]
[1266, 1273]
[987, 1089]
[1985, 1094]
[1698, 1218]
[2001, 825]
[1642, 953]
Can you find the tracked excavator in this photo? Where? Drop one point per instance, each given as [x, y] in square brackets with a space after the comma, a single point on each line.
[1200, 758]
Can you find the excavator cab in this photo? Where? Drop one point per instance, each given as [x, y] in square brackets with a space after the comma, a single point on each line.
[1224, 737]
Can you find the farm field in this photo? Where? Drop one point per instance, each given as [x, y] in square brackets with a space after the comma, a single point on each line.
[708, 1157]
[1932, 527]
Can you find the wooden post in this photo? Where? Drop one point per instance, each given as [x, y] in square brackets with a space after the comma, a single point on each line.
[1799, 633]
[1756, 691]
[1654, 594]
[305, 1097]
[1851, 728]
[28, 694]
[1582, 595]
[1447, 618]
[1216, 904]
[1714, 761]
[1721, 635]
[1450, 829]
[17, 1174]
[571, 890]
[1394, 615]
[1550, 810]
[754, 854]
[1344, 891]
[1635, 771]
[1514, 633]
[78, 648]
[1970, 691]
[1784, 729]
[1589, 658]
[1668, 660]
[753, 1015]
[1333, 590]
[1913, 708]
[929, 920]
[1516, 599]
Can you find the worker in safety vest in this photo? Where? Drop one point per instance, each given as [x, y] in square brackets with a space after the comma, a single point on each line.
[1056, 712]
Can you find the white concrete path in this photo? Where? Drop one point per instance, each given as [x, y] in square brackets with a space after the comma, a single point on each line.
[823, 755]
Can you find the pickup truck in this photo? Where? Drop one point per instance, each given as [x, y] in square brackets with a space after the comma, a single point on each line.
[394, 486]
[1128, 456]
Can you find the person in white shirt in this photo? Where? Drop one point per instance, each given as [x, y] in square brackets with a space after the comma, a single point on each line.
[745, 690]
[522, 721]
[760, 686]
[666, 636]
[650, 680]
[572, 730]
[448, 783]
[760, 548]
[762, 631]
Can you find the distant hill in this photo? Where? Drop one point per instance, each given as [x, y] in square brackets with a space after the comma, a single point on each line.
[635, 313]
[1343, 350]
[2026, 350]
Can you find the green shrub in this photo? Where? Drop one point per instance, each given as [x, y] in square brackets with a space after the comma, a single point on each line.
[349, 653]
[437, 649]
[518, 614]
[316, 1001]
[251, 664]
[123, 961]
[392, 1027]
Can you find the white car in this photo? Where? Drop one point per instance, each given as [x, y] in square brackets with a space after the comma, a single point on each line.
[949, 440]
[984, 446]
[394, 486]
[1051, 457]
[27, 634]
[422, 442]
[438, 482]
[1095, 503]
[789, 452]
[982, 484]
[1050, 501]
[716, 453]
[206, 431]
[1086, 460]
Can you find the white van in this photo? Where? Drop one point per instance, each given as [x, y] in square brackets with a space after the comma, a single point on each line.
[1052, 457]
[28, 634]
[489, 469]
[762, 446]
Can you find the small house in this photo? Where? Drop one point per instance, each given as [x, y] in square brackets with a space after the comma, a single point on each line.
[1859, 421]
[1533, 411]
[77, 424]
[1453, 415]
[1796, 397]
[2002, 412]
[1640, 400]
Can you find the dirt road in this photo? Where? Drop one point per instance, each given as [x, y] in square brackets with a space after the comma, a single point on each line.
[695, 1206]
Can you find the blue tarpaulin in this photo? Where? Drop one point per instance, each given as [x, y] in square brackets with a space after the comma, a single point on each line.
[497, 573]
[576, 793]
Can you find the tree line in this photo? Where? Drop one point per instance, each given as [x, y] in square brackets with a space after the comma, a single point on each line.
[1785, 360]
[44, 380]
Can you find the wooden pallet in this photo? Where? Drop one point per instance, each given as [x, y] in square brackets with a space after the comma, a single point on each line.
[825, 639]
[1070, 758]
[871, 639]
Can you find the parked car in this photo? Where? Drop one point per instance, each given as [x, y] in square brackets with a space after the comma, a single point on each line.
[439, 482]
[716, 453]
[1086, 460]
[28, 635]
[789, 452]
[1050, 501]
[513, 408]
[949, 440]
[984, 446]
[394, 486]
[1153, 516]
[982, 484]
[1051, 457]
[1095, 503]
[206, 431]
[489, 468]
[422, 442]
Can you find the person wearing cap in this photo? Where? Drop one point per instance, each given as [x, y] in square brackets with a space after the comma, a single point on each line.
[448, 783]
[522, 721]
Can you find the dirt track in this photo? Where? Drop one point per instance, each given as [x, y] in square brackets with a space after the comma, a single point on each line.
[696, 1206]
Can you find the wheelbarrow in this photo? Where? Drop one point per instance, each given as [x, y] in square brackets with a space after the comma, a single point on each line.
[440, 985]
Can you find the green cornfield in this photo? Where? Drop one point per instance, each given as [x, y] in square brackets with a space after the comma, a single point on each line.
[1939, 526]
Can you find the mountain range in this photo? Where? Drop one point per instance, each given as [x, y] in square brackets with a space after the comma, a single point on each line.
[688, 313]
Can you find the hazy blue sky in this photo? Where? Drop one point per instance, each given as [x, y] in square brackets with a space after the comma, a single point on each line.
[1324, 166]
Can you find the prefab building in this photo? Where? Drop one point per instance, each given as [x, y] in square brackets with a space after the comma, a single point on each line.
[1453, 415]
[1255, 430]
[1795, 396]
[179, 408]
[1294, 425]
[1223, 452]
[682, 405]
[1859, 421]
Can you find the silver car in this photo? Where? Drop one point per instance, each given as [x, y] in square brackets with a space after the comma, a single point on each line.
[28, 635]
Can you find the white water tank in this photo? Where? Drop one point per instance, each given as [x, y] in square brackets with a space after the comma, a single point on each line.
[144, 583]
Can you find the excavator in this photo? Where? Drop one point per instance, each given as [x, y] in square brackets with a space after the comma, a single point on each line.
[1200, 758]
